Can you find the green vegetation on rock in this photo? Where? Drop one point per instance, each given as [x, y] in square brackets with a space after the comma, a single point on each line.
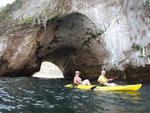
[27, 20]
[6, 20]
[6, 12]
[136, 47]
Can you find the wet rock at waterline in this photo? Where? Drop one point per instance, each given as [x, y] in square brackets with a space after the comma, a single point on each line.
[48, 70]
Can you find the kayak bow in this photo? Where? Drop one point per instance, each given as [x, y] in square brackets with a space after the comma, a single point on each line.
[106, 88]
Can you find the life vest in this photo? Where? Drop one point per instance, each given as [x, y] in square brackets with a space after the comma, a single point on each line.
[103, 80]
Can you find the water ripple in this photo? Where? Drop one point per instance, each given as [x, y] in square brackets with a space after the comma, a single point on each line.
[27, 95]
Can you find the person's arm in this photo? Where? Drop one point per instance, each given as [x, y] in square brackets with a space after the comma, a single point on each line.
[79, 80]
[98, 80]
[75, 81]
[110, 79]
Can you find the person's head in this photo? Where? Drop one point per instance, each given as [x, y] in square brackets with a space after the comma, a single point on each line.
[77, 73]
[103, 72]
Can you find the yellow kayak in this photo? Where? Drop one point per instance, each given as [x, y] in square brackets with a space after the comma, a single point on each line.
[106, 88]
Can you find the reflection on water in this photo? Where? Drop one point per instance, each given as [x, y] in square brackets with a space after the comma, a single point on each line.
[29, 95]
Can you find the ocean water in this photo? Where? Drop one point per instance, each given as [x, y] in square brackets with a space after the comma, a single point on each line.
[32, 95]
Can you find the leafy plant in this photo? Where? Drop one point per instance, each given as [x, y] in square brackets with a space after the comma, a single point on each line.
[25, 21]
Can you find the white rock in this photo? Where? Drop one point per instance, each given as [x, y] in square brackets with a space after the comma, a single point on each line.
[48, 70]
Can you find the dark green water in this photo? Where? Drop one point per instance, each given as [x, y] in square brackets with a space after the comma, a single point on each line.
[30, 95]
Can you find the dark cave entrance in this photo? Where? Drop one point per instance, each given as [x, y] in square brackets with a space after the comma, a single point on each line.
[72, 42]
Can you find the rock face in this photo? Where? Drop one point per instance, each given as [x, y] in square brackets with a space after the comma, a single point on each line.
[72, 41]
[17, 51]
[125, 25]
[85, 35]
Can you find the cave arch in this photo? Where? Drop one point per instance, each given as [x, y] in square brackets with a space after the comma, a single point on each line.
[72, 41]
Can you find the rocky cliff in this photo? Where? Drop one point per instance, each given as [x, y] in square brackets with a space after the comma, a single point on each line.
[76, 34]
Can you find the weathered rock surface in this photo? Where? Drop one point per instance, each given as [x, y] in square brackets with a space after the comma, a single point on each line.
[85, 35]
[18, 52]
[124, 23]
[72, 41]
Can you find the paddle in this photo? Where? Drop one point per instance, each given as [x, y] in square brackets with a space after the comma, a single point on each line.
[74, 85]
[93, 87]
[111, 79]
